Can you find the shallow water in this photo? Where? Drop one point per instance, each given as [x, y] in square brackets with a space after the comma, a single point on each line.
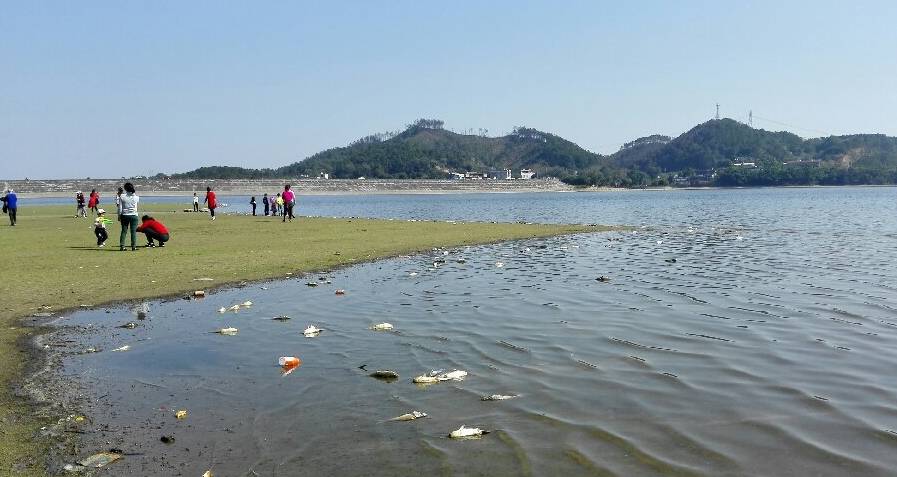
[766, 348]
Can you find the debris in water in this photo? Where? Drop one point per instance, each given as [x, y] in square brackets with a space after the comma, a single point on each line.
[498, 397]
[227, 331]
[234, 308]
[412, 274]
[382, 327]
[603, 279]
[385, 374]
[410, 416]
[246, 304]
[312, 284]
[434, 377]
[281, 318]
[499, 264]
[182, 414]
[123, 348]
[312, 331]
[289, 361]
[99, 460]
[199, 293]
[467, 432]
[129, 326]
[340, 292]
[671, 260]
[659, 242]
[167, 439]
[462, 260]
[424, 379]
[222, 309]
[207, 473]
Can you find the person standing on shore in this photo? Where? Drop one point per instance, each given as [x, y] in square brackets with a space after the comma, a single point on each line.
[265, 204]
[252, 203]
[195, 202]
[118, 194]
[211, 200]
[279, 203]
[128, 216]
[289, 200]
[10, 205]
[93, 201]
[79, 199]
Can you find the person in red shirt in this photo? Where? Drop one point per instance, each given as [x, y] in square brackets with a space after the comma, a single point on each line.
[210, 199]
[154, 230]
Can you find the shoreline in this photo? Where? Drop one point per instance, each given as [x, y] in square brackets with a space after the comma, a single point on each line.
[323, 244]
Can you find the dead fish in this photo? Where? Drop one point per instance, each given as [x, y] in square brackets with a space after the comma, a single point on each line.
[123, 348]
[603, 279]
[129, 326]
[455, 375]
[498, 397]
[227, 331]
[384, 374]
[424, 379]
[461, 260]
[167, 439]
[207, 473]
[246, 303]
[412, 274]
[312, 284]
[182, 414]
[410, 416]
[281, 318]
[340, 292]
[499, 264]
[234, 308]
[462, 432]
[222, 309]
[312, 331]
[99, 460]
[382, 327]
[670, 260]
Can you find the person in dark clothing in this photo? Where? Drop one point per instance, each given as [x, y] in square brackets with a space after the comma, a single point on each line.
[265, 203]
[252, 203]
[10, 205]
[154, 230]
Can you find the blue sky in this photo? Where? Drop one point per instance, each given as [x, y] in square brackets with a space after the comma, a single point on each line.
[110, 89]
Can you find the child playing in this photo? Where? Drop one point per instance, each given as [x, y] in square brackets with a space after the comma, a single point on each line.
[99, 228]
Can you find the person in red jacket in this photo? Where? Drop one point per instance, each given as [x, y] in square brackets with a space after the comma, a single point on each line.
[154, 230]
[210, 199]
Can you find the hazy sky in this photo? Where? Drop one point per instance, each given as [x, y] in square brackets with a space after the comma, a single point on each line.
[119, 88]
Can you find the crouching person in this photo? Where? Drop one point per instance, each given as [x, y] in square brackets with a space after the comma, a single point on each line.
[154, 230]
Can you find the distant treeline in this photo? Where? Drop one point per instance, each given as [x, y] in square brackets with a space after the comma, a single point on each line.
[719, 152]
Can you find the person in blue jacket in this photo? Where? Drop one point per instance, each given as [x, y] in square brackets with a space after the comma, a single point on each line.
[10, 204]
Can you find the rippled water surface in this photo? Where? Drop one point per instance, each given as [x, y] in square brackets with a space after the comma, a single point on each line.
[743, 332]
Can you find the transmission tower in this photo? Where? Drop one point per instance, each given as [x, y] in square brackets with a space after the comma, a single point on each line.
[751, 118]
[717, 110]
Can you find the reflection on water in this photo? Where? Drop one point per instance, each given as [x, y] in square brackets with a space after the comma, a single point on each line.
[748, 334]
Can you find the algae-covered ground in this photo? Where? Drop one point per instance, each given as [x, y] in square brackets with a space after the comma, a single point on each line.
[50, 262]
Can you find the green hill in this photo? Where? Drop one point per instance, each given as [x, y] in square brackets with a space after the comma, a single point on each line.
[720, 152]
[426, 150]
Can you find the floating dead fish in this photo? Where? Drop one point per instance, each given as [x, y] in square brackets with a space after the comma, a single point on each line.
[199, 293]
[498, 397]
[123, 348]
[382, 327]
[312, 284]
[424, 379]
[412, 274]
[129, 326]
[234, 308]
[246, 304]
[207, 473]
[227, 331]
[281, 318]
[222, 309]
[461, 260]
[386, 374]
[462, 432]
[603, 279]
[182, 414]
[499, 264]
[455, 375]
[167, 439]
[340, 292]
[410, 416]
[670, 260]
[312, 331]
[99, 460]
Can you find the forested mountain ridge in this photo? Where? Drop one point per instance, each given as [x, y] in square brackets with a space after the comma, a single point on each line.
[718, 152]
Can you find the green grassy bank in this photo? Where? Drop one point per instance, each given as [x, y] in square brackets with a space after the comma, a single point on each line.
[50, 262]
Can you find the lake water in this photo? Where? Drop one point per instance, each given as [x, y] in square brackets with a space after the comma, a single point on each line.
[742, 332]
